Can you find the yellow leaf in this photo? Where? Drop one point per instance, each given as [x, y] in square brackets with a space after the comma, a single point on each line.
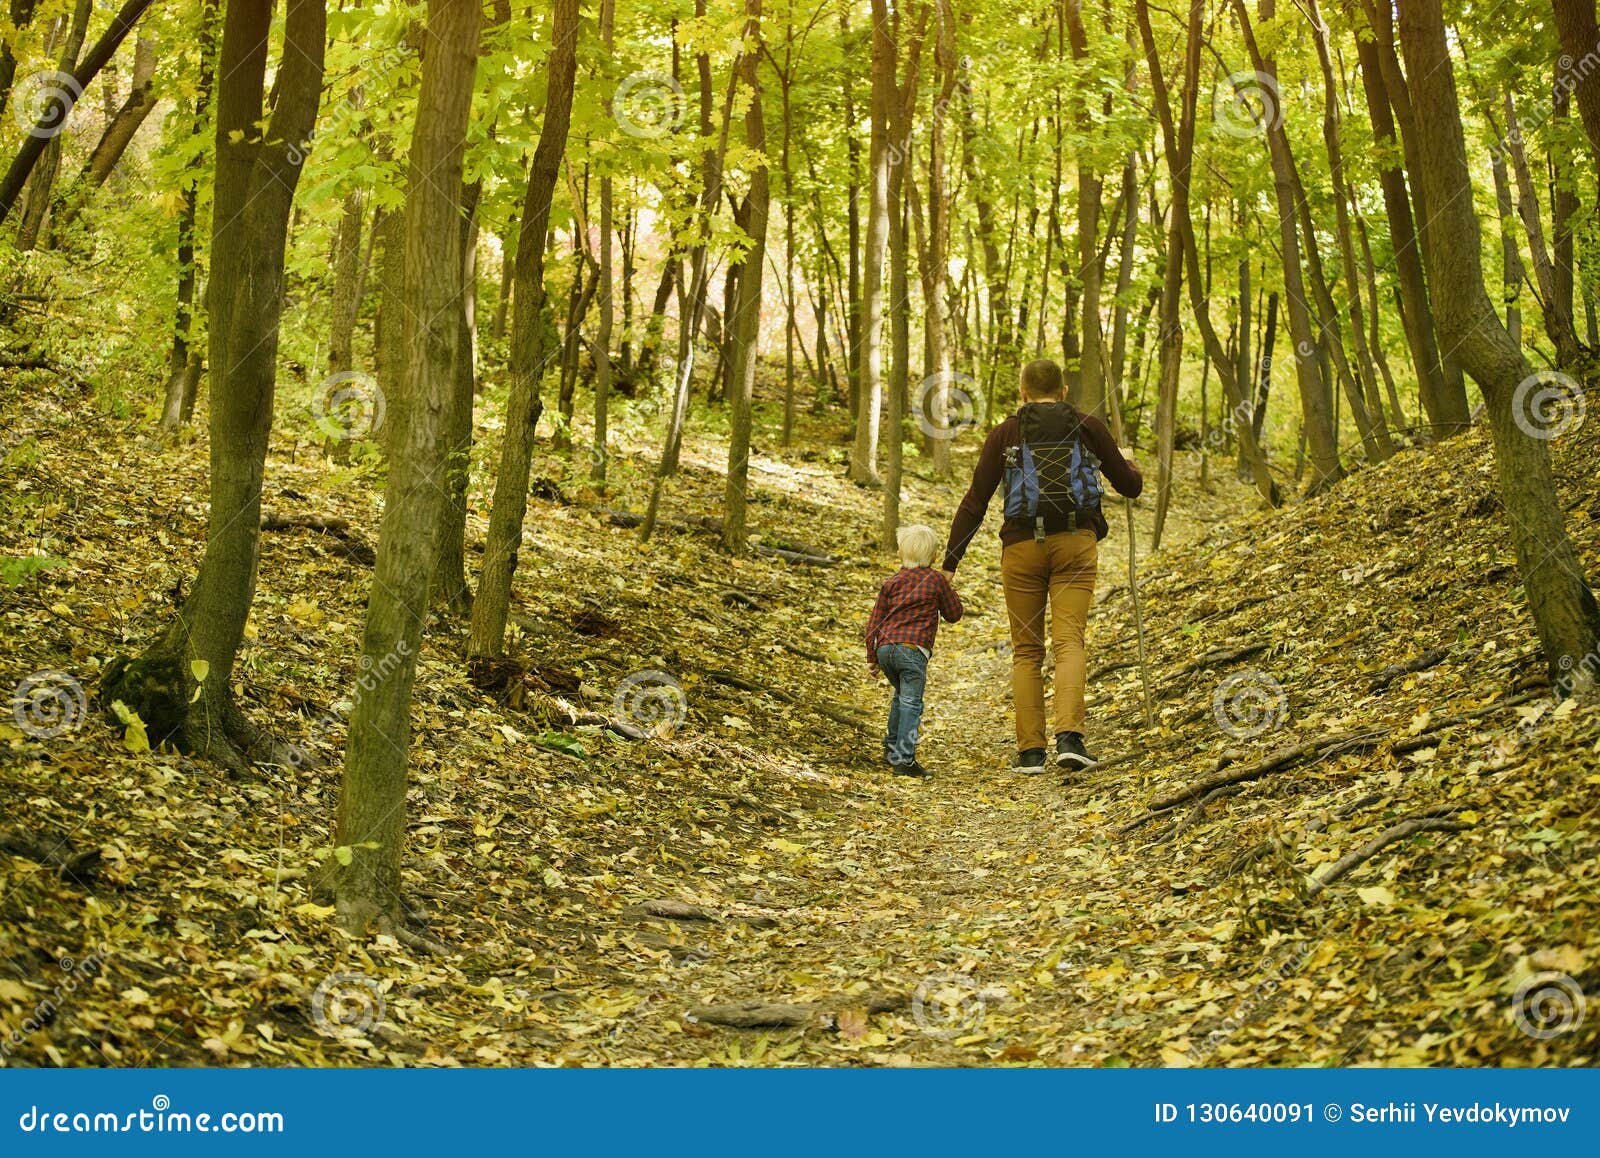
[199, 668]
[1376, 895]
[320, 912]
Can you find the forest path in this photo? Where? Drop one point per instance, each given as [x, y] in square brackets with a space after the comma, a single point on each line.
[990, 900]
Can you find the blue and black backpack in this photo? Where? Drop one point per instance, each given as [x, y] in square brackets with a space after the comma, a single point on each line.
[1052, 478]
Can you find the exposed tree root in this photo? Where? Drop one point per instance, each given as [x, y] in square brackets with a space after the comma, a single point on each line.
[1348, 863]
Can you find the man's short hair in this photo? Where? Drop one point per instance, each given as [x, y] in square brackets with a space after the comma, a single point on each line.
[1042, 378]
[918, 545]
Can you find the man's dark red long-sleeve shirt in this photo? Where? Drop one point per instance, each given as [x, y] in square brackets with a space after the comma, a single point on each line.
[989, 472]
[909, 605]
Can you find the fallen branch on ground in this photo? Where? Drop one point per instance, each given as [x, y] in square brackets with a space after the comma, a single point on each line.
[1348, 863]
[1416, 663]
[355, 548]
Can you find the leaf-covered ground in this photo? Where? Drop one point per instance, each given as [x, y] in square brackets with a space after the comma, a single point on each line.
[611, 901]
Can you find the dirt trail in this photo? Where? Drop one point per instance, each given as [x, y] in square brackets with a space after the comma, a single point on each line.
[982, 896]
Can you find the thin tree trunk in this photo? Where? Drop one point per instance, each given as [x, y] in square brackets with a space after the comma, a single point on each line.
[530, 348]
[346, 283]
[602, 336]
[183, 373]
[864, 454]
[745, 323]
[59, 107]
[114, 141]
[1316, 395]
[1557, 312]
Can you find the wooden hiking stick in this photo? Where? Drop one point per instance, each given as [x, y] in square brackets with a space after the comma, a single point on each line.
[1114, 408]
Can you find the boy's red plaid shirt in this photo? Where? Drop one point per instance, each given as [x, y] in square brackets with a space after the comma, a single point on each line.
[908, 609]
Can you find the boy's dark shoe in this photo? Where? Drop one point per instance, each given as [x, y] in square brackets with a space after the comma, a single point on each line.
[1030, 763]
[912, 769]
[1070, 752]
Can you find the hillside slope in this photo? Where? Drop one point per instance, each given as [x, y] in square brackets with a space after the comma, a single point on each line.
[597, 899]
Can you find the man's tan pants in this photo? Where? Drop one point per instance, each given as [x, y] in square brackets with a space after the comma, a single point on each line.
[1061, 569]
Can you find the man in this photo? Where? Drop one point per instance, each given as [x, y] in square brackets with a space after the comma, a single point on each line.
[1050, 456]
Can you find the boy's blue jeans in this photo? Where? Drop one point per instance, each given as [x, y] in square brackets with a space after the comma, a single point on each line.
[907, 671]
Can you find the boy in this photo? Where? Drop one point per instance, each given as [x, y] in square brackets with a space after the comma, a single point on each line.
[1049, 554]
[900, 635]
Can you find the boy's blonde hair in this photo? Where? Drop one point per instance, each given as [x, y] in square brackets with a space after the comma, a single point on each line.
[918, 545]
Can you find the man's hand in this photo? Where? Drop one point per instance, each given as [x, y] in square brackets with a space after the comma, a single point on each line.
[873, 673]
[950, 575]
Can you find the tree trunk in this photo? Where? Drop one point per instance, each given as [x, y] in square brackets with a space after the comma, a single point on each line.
[1558, 322]
[605, 281]
[1199, 306]
[745, 323]
[1179, 148]
[256, 173]
[451, 590]
[864, 455]
[346, 282]
[1562, 605]
[119, 133]
[1091, 273]
[900, 117]
[371, 824]
[59, 108]
[1367, 394]
[492, 605]
[1316, 395]
[41, 182]
[183, 374]
[1450, 414]
[1579, 33]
